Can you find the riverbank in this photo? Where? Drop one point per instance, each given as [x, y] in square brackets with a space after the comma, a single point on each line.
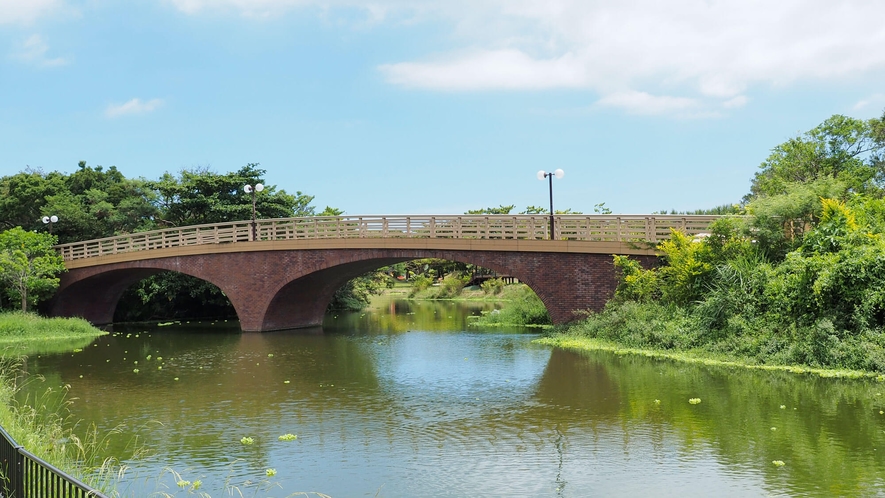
[697, 357]
[670, 332]
[516, 304]
[405, 290]
[23, 334]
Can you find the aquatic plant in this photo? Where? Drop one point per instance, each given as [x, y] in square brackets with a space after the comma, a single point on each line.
[778, 463]
[247, 440]
[288, 437]
[270, 472]
[694, 401]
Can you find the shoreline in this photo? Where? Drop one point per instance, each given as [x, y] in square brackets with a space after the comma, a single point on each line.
[699, 357]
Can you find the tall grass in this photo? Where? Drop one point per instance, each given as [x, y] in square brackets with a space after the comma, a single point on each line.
[521, 307]
[18, 326]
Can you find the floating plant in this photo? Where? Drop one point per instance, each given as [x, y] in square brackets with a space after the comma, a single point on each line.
[247, 440]
[694, 401]
[288, 437]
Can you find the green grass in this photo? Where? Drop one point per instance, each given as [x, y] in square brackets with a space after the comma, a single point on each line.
[522, 307]
[26, 333]
[696, 356]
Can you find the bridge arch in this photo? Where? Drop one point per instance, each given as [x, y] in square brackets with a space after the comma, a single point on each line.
[282, 289]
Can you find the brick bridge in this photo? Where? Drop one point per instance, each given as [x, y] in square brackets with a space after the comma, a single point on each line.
[282, 273]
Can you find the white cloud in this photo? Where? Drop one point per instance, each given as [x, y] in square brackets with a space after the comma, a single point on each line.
[134, 106]
[34, 50]
[643, 103]
[26, 11]
[876, 100]
[715, 51]
[735, 102]
[509, 69]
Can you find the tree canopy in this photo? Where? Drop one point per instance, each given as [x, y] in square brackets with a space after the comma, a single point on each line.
[841, 147]
[28, 266]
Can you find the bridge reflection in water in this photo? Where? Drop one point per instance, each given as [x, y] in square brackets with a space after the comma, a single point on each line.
[285, 277]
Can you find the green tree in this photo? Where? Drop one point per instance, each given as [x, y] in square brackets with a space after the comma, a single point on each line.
[502, 209]
[841, 148]
[200, 196]
[91, 202]
[23, 196]
[28, 265]
[330, 211]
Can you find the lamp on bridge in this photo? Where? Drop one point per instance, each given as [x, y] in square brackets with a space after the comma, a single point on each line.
[49, 220]
[558, 174]
[251, 189]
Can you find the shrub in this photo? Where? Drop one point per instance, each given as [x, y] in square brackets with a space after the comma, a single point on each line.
[493, 286]
[451, 285]
[420, 282]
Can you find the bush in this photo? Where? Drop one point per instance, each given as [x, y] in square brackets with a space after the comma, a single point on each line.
[525, 308]
[451, 285]
[493, 286]
[419, 283]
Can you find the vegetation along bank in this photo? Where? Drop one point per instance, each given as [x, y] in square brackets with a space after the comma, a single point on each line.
[796, 277]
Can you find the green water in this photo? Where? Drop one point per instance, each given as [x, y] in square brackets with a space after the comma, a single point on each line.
[407, 400]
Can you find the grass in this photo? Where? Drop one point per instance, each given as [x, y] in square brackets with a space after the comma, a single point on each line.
[16, 327]
[697, 356]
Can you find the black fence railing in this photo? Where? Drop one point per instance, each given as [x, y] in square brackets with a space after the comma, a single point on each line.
[24, 475]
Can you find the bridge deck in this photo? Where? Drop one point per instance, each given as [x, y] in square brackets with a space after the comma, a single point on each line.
[606, 232]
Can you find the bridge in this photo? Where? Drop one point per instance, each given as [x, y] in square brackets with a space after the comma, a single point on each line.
[282, 273]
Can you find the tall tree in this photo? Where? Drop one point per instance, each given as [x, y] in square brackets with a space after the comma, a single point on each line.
[90, 203]
[200, 196]
[28, 265]
[840, 148]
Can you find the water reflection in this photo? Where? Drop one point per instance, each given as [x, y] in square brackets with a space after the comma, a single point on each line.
[406, 400]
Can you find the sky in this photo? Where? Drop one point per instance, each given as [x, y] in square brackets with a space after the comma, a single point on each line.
[437, 107]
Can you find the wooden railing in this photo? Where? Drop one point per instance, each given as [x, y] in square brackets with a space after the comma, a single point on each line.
[598, 228]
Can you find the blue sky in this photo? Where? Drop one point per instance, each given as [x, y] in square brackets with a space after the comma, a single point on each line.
[437, 107]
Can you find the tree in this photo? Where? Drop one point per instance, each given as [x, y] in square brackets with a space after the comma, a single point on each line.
[28, 265]
[330, 211]
[502, 209]
[200, 196]
[91, 202]
[842, 148]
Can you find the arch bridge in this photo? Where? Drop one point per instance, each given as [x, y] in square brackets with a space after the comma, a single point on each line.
[282, 273]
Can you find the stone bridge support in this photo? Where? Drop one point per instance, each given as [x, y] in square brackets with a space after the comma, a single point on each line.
[284, 289]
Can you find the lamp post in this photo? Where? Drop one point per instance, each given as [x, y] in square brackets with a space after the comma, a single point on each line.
[49, 220]
[558, 174]
[251, 189]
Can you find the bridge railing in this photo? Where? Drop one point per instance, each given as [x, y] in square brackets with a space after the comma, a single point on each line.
[600, 228]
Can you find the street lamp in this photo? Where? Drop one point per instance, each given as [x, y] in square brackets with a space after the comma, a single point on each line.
[251, 189]
[558, 174]
[49, 220]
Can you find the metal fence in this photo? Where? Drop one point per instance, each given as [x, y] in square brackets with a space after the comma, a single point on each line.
[24, 475]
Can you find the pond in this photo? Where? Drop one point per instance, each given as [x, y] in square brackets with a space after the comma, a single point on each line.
[406, 399]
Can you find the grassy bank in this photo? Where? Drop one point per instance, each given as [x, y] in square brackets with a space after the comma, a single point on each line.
[672, 332]
[26, 333]
[520, 306]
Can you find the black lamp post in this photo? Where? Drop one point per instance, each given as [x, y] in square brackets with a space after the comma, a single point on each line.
[251, 189]
[558, 174]
[49, 220]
